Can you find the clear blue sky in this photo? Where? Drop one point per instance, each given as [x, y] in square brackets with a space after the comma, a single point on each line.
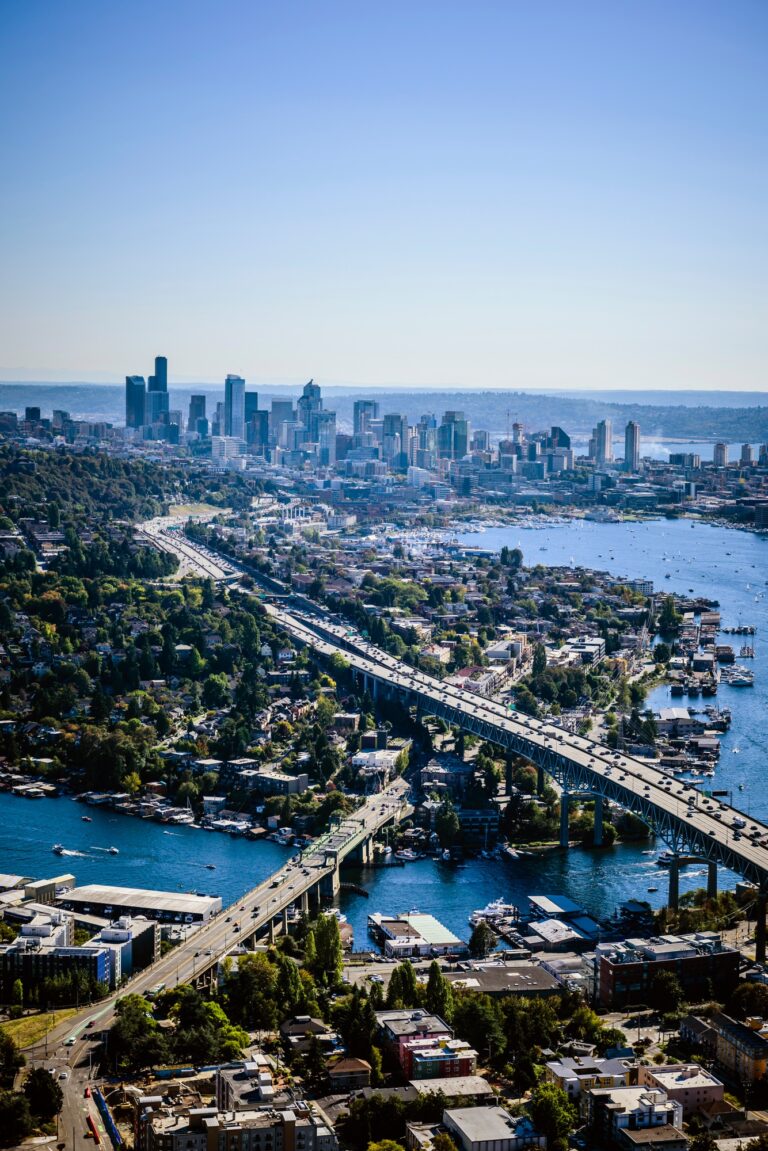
[538, 194]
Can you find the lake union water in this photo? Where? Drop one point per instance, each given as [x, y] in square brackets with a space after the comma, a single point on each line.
[729, 566]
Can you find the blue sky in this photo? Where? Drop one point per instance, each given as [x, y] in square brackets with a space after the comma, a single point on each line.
[540, 194]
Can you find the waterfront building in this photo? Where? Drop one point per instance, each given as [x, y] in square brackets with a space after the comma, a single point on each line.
[165, 906]
[135, 401]
[632, 447]
[413, 934]
[234, 407]
[747, 457]
[720, 456]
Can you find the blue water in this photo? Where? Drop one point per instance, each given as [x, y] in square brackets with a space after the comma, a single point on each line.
[174, 859]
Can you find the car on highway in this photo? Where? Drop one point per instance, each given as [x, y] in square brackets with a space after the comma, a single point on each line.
[70, 1042]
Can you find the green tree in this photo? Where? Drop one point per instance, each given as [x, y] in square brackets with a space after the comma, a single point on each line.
[667, 993]
[482, 940]
[11, 1059]
[385, 1145]
[552, 1115]
[539, 665]
[439, 998]
[43, 1093]
[447, 824]
[330, 955]
[17, 994]
[443, 1142]
[15, 1117]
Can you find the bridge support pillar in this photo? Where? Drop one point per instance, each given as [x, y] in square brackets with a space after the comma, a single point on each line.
[539, 780]
[762, 900]
[564, 799]
[305, 903]
[597, 830]
[285, 921]
[329, 885]
[674, 884]
[712, 880]
[271, 931]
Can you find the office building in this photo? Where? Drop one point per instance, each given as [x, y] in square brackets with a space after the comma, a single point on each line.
[363, 411]
[251, 405]
[310, 403]
[453, 436]
[326, 439]
[196, 412]
[135, 401]
[234, 407]
[747, 457]
[394, 439]
[720, 457]
[632, 447]
[280, 414]
[603, 442]
[31, 961]
[625, 972]
[157, 393]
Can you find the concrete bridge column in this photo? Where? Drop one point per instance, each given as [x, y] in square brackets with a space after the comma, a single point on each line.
[674, 884]
[305, 903]
[271, 931]
[329, 885]
[597, 831]
[762, 900]
[712, 880]
[285, 921]
[564, 799]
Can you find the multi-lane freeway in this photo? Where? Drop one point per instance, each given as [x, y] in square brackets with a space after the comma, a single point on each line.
[67, 1050]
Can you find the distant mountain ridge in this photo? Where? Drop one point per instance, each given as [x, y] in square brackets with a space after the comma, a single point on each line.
[577, 413]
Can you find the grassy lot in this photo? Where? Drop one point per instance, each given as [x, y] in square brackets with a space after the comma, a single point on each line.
[32, 1028]
[194, 510]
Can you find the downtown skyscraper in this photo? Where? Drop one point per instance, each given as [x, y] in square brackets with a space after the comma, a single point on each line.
[234, 407]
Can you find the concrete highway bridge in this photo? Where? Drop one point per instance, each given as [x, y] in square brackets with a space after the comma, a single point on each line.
[696, 828]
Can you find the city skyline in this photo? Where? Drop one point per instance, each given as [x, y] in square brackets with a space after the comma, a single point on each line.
[432, 198]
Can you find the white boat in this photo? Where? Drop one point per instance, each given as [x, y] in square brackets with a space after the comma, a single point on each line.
[113, 851]
[495, 910]
[407, 855]
[58, 849]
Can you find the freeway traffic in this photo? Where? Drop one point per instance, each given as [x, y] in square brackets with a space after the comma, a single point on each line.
[694, 824]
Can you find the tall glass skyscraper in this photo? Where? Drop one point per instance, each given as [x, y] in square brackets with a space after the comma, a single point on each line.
[135, 401]
[234, 407]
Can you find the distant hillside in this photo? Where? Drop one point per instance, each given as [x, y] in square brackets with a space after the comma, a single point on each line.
[576, 413]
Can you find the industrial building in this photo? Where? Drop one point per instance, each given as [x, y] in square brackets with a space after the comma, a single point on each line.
[165, 906]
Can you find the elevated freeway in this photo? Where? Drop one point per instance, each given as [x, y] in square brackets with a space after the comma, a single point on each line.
[694, 826]
[303, 879]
